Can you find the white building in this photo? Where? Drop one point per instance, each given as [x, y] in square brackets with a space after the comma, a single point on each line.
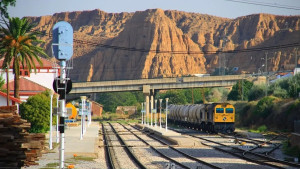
[44, 75]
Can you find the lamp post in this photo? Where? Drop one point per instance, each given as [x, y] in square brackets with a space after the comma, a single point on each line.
[82, 107]
[142, 113]
[160, 101]
[167, 99]
[151, 112]
[145, 114]
[50, 132]
[155, 120]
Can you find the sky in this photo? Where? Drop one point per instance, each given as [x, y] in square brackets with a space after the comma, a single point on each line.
[221, 8]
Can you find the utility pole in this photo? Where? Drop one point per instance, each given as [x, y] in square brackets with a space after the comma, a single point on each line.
[267, 82]
[296, 58]
[296, 65]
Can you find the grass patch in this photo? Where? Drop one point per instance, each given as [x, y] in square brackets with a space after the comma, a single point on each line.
[52, 165]
[290, 150]
[83, 158]
[260, 129]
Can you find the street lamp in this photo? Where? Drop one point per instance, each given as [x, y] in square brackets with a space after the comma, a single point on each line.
[155, 120]
[167, 99]
[82, 106]
[142, 113]
[160, 101]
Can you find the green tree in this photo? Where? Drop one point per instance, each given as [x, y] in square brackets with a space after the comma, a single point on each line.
[110, 101]
[3, 6]
[37, 111]
[241, 88]
[175, 96]
[217, 94]
[19, 45]
[286, 87]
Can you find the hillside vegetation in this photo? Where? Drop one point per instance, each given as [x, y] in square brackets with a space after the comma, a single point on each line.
[278, 110]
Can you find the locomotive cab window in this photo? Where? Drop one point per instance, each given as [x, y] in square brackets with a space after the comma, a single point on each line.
[229, 110]
[219, 110]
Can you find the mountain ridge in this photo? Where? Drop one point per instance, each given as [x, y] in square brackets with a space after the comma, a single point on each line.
[170, 30]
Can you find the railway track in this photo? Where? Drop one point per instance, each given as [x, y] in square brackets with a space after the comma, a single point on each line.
[118, 153]
[265, 147]
[249, 155]
[204, 164]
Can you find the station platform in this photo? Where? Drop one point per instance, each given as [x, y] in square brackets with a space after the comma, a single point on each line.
[85, 147]
[171, 136]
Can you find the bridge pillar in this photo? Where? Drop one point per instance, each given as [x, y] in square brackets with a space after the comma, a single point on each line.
[146, 91]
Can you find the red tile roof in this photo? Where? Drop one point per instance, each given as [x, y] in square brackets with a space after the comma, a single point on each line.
[10, 97]
[46, 63]
[26, 86]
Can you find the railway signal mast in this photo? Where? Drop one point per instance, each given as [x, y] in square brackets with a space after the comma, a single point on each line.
[62, 48]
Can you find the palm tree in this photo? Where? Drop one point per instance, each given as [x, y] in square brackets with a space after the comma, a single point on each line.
[19, 45]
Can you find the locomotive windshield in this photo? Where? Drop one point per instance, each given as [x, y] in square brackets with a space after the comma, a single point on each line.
[220, 110]
[229, 110]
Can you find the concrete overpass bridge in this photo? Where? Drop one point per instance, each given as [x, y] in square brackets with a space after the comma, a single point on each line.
[147, 85]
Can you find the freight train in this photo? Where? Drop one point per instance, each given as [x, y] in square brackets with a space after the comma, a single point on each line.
[213, 117]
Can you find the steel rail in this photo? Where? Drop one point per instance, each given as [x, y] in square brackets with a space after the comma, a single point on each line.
[255, 154]
[154, 149]
[107, 149]
[129, 152]
[171, 147]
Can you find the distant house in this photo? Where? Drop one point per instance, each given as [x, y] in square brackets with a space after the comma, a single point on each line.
[12, 100]
[126, 110]
[27, 88]
[97, 109]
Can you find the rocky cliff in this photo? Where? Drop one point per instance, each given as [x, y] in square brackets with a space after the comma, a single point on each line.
[157, 43]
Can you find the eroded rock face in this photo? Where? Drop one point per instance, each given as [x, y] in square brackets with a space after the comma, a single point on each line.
[186, 39]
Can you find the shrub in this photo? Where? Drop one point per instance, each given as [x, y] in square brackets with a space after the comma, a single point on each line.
[37, 111]
[279, 92]
[262, 128]
[256, 92]
[264, 107]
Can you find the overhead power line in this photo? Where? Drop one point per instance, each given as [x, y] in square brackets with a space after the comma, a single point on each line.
[266, 48]
[275, 5]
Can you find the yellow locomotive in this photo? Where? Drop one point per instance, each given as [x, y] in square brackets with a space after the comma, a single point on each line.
[213, 117]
